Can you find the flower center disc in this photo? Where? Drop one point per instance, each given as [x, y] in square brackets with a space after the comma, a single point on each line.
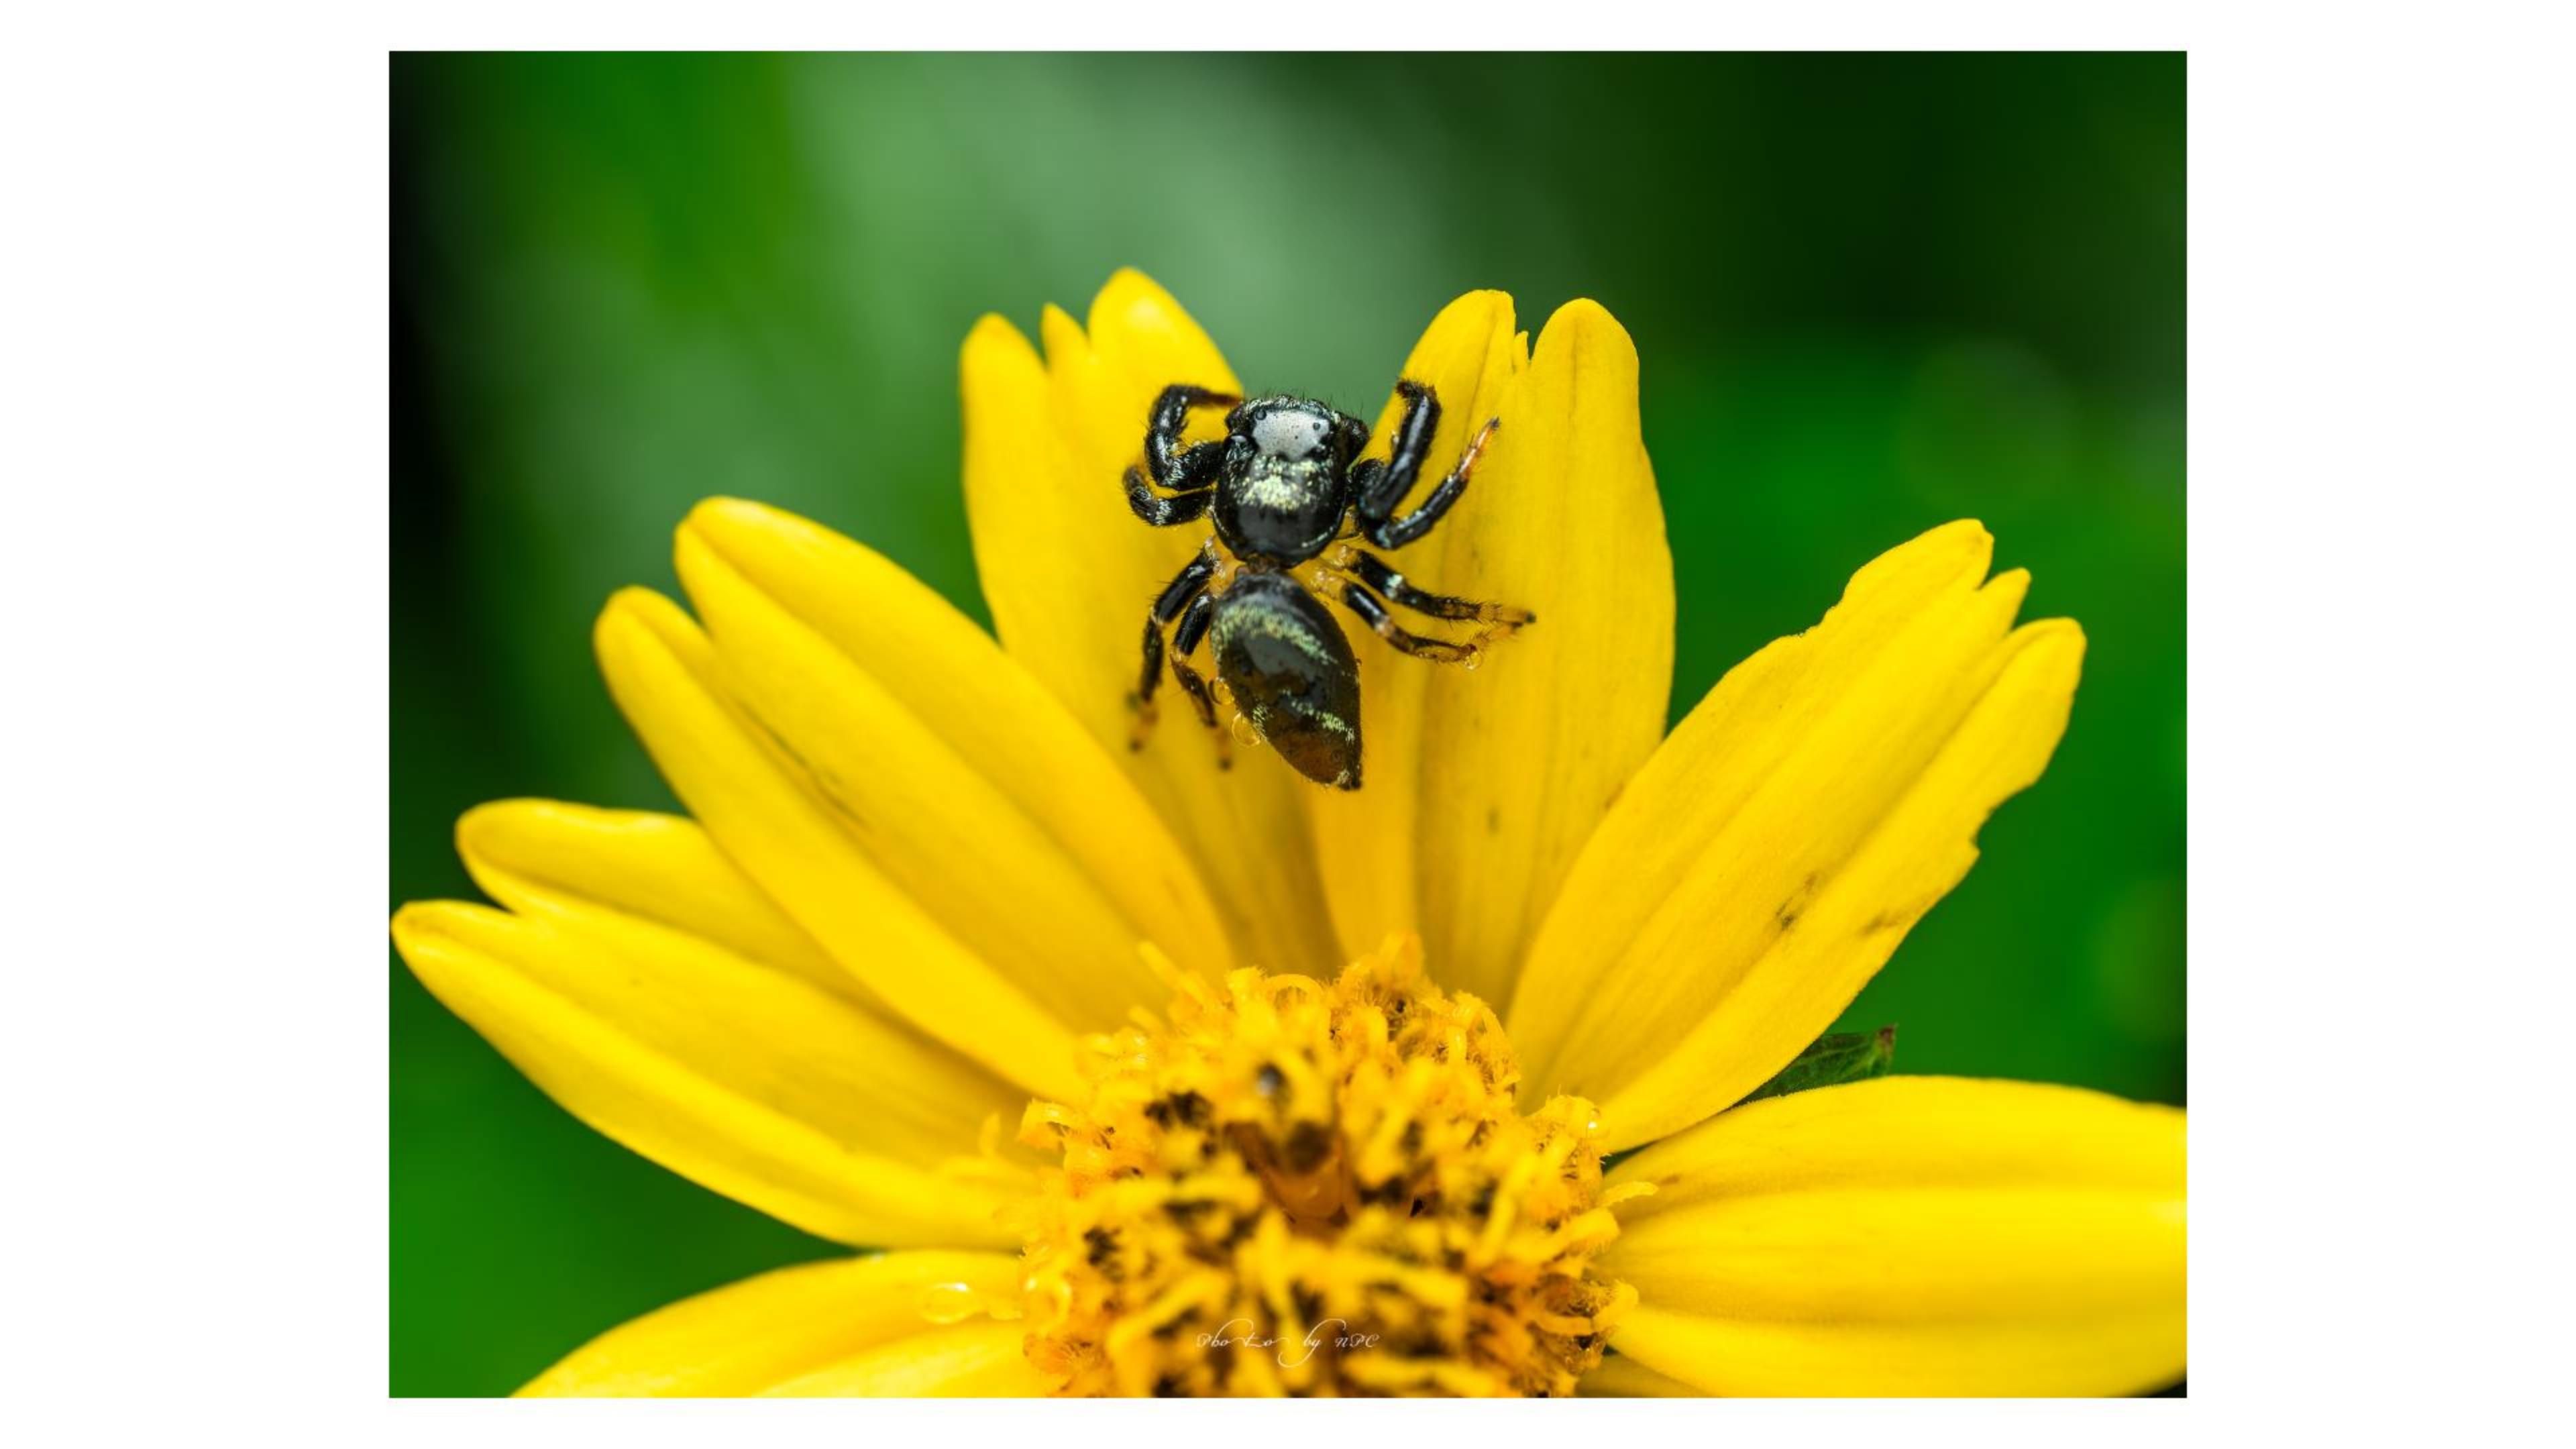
[1293, 1187]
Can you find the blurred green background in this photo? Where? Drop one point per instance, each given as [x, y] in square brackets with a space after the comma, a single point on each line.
[1871, 293]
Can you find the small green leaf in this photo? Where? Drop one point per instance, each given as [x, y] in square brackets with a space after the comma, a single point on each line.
[1834, 1058]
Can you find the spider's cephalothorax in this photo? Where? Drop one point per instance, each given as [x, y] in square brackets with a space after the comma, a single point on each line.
[1285, 485]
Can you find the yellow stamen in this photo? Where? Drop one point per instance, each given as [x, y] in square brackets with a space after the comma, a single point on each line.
[1293, 1187]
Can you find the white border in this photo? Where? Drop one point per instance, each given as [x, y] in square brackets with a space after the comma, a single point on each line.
[195, 444]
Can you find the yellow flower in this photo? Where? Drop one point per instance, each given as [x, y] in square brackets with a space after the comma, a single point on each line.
[1158, 1077]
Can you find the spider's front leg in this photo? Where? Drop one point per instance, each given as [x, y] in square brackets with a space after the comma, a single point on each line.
[1377, 502]
[1187, 585]
[1376, 487]
[1168, 420]
[1190, 473]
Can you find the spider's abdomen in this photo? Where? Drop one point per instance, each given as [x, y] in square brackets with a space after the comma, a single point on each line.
[1292, 674]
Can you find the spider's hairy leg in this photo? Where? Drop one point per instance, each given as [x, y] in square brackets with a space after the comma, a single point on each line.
[1397, 532]
[1372, 611]
[1164, 425]
[1187, 585]
[1376, 487]
[1164, 511]
[1382, 578]
[1140, 700]
[1185, 641]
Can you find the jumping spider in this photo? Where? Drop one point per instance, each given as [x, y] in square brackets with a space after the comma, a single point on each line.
[1284, 486]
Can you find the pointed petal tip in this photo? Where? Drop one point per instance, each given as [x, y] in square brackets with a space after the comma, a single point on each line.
[522, 834]
[1129, 287]
[422, 923]
[408, 920]
[999, 373]
[737, 526]
[1466, 329]
[719, 509]
[617, 618]
[635, 618]
[1584, 321]
[1584, 312]
[1486, 306]
[710, 521]
[1956, 554]
[1144, 332]
[1591, 357]
[629, 599]
[490, 824]
[2057, 646]
[636, 606]
[994, 341]
[993, 328]
[1064, 337]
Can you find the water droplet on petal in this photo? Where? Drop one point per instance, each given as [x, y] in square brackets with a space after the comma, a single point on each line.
[950, 1302]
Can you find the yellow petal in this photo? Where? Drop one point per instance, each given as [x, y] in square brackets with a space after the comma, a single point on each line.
[966, 784]
[753, 1336]
[556, 861]
[740, 1076]
[1366, 840]
[980, 1360]
[1911, 1235]
[1771, 855]
[1521, 757]
[790, 832]
[1069, 573]
[1622, 1377]
[601, 874]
